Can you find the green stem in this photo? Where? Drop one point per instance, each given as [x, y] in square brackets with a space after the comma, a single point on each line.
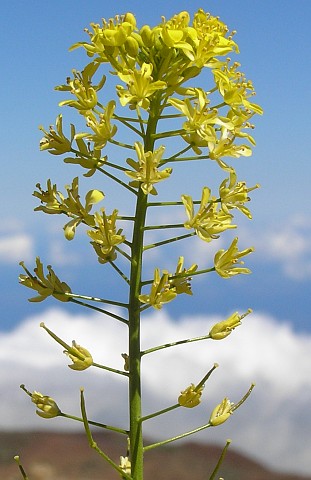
[101, 310]
[136, 441]
[122, 252]
[120, 144]
[172, 133]
[170, 204]
[160, 412]
[119, 271]
[95, 299]
[162, 227]
[174, 344]
[110, 369]
[176, 155]
[95, 424]
[125, 122]
[113, 165]
[116, 179]
[124, 217]
[221, 458]
[136, 437]
[169, 240]
[174, 115]
[94, 445]
[21, 469]
[186, 159]
[129, 119]
[178, 437]
[141, 122]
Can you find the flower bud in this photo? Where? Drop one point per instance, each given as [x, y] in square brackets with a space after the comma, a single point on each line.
[125, 465]
[131, 47]
[80, 356]
[146, 35]
[48, 408]
[130, 18]
[221, 413]
[222, 329]
[191, 396]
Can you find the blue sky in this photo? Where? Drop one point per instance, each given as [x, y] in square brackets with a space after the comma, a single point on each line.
[273, 39]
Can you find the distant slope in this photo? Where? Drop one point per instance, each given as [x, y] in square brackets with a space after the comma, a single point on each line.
[62, 456]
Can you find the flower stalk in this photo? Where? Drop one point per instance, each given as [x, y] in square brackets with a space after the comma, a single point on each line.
[155, 68]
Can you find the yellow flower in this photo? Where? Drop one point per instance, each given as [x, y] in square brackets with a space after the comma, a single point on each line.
[191, 396]
[55, 202]
[54, 140]
[181, 280]
[146, 172]
[161, 291]
[225, 261]
[105, 236]
[81, 87]
[140, 86]
[176, 33]
[86, 157]
[221, 413]
[208, 221]
[222, 329]
[200, 127]
[125, 465]
[224, 147]
[86, 96]
[101, 126]
[45, 286]
[48, 408]
[80, 356]
[234, 87]
[234, 194]
[51, 198]
[106, 40]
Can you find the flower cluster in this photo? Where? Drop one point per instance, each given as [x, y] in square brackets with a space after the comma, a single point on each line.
[154, 68]
[81, 87]
[161, 291]
[166, 287]
[226, 261]
[53, 202]
[101, 126]
[105, 236]
[54, 140]
[146, 172]
[45, 285]
[234, 194]
[140, 87]
[180, 281]
[200, 127]
[210, 220]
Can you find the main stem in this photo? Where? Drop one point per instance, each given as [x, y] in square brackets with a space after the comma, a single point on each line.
[135, 410]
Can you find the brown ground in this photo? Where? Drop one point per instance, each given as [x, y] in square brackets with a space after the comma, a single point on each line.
[61, 456]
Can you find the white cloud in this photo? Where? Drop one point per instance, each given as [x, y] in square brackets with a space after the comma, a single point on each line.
[60, 254]
[273, 425]
[16, 247]
[288, 244]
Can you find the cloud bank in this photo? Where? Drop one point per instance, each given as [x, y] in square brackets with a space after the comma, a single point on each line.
[273, 425]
